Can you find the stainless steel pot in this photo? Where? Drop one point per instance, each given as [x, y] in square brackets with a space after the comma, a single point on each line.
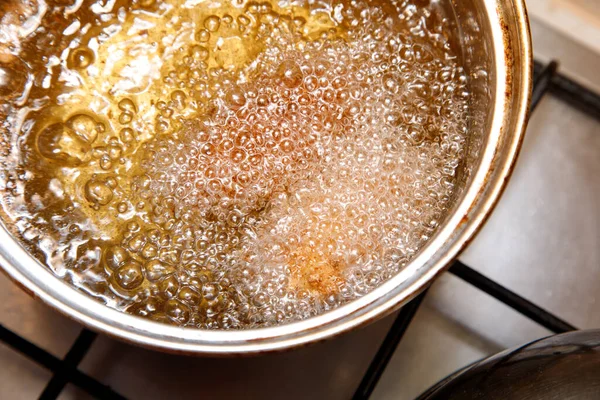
[564, 366]
[495, 44]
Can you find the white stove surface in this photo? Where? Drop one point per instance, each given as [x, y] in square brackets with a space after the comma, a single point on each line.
[542, 242]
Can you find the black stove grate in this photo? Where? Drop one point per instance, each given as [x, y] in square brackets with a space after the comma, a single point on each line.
[546, 80]
[66, 370]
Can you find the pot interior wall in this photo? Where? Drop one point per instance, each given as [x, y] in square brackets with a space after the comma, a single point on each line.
[475, 45]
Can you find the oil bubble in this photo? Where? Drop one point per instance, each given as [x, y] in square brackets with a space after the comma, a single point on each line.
[127, 135]
[156, 270]
[212, 23]
[122, 207]
[200, 52]
[125, 118]
[127, 105]
[98, 192]
[114, 257]
[60, 143]
[243, 20]
[84, 126]
[235, 97]
[177, 311]
[80, 58]
[203, 36]
[189, 296]
[129, 276]
[291, 74]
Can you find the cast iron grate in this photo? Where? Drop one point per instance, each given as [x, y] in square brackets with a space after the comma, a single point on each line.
[546, 80]
[66, 370]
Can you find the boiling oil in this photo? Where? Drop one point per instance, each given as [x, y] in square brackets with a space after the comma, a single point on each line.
[228, 164]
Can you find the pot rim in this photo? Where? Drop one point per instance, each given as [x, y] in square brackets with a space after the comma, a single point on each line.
[478, 200]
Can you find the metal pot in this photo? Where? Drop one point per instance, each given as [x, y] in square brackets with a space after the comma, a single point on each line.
[495, 43]
[564, 366]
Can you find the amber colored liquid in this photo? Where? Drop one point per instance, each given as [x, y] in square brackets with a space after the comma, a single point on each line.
[228, 164]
